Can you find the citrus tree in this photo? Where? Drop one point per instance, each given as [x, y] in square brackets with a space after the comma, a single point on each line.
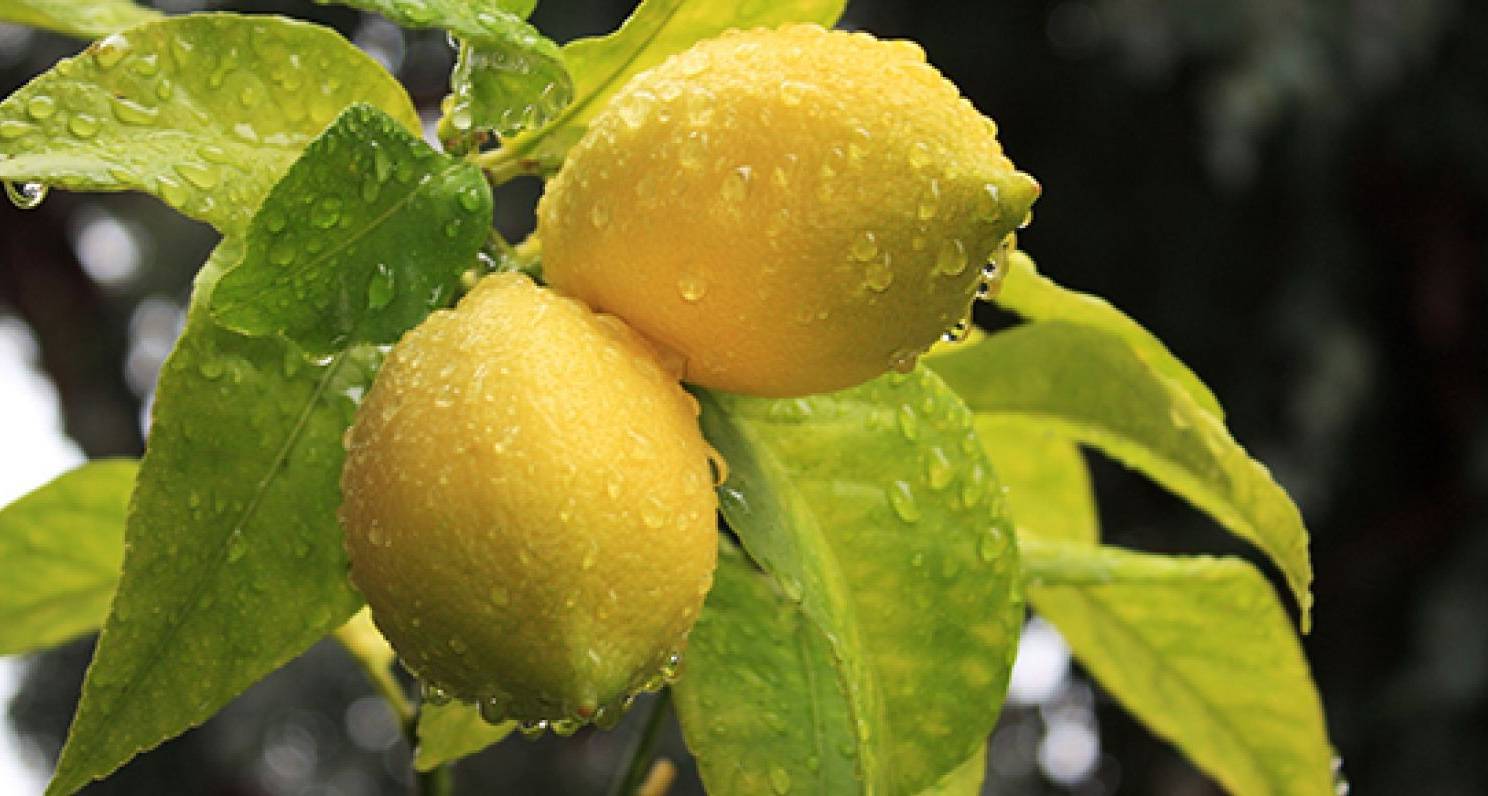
[720, 428]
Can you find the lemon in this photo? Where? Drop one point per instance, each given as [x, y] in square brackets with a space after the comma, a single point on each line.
[792, 210]
[529, 506]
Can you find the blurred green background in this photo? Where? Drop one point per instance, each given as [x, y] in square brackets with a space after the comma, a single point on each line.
[1293, 194]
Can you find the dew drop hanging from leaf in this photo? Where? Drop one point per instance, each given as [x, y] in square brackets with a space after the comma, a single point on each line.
[26, 196]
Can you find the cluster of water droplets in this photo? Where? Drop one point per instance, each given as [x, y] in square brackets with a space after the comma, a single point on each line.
[564, 720]
[506, 64]
[137, 82]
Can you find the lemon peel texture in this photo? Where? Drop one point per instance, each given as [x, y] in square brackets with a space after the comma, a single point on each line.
[793, 210]
[529, 506]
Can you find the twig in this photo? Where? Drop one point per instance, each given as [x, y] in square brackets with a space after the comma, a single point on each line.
[640, 754]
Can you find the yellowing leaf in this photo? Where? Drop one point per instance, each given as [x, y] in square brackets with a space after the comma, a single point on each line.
[1091, 387]
[60, 551]
[205, 112]
[1048, 483]
[1200, 650]
[84, 19]
[449, 732]
[794, 727]
[1036, 297]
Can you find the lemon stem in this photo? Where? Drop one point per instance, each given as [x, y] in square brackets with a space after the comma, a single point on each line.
[438, 782]
[501, 166]
[506, 163]
[640, 754]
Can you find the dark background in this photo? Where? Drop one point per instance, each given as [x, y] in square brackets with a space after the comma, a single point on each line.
[1290, 193]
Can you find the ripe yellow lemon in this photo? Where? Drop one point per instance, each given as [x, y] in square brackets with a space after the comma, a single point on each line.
[529, 506]
[792, 210]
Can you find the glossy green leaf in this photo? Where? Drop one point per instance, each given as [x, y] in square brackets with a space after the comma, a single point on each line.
[60, 550]
[449, 732]
[367, 233]
[1048, 483]
[512, 82]
[875, 509]
[205, 112]
[1091, 387]
[1200, 650]
[759, 701]
[84, 19]
[655, 30]
[234, 563]
[1036, 297]
[507, 77]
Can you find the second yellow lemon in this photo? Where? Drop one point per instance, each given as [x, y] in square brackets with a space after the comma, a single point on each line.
[528, 506]
[792, 211]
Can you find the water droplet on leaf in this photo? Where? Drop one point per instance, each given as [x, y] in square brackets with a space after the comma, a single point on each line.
[380, 288]
[107, 53]
[325, 213]
[201, 176]
[780, 781]
[41, 107]
[131, 112]
[902, 498]
[27, 196]
[82, 125]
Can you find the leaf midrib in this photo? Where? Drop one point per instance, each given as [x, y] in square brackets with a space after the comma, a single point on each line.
[834, 642]
[1228, 513]
[208, 574]
[350, 242]
[1160, 663]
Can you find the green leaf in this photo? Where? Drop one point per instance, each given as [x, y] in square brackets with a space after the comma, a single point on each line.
[367, 233]
[1091, 387]
[510, 83]
[205, 112]
[60, 550]
[449, 732]
[964, 780]
[794, 728]
[655, 30]
[1036, 297]
[465, 17]
[1048, 483]
[507, 78]
[1197, 648]
[83, 19]
[875, 510]
[233, 562]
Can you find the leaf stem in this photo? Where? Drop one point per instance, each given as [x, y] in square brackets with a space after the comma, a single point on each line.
[378, 668]
[375, 657]
[640, 753]
[439, 781]
[507, 163]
